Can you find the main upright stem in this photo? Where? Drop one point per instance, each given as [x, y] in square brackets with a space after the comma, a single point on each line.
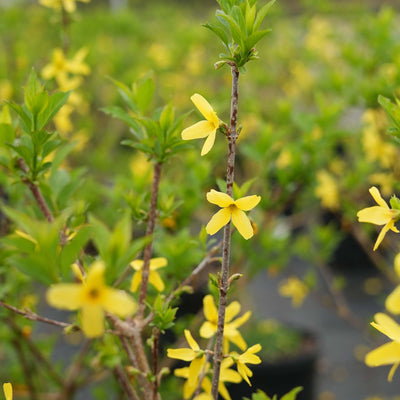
[226, 246]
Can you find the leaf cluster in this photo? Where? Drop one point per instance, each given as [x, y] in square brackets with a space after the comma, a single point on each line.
[238, 27]
[158, 135]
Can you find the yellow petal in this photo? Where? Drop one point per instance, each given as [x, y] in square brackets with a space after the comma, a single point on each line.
[387, 326]
[223, 391]
[392, 371]
[220, 199]
[137, 265]
[381, 235]
[377, 197]
[69, 5]
[248, 202]
[67, 296]
[244, 372]
[209, 308]
[236, 338]
[188, 390]
[208, 330]
[199, 130]
[136, 280]
[209, 143]
[242, 223]
[392, 303]
[95, 276]
[229, 375]
[8, 392]
[156, 281]
[232, 310]
[249, 357]
[118, 302]
[386, 354]
[218, 220]
[241, 320]
[205, 108]
[181, 354]
[195, 368]
[182, 372]
[92, 318]
[375, 215]
[192, 343]
[158, 262]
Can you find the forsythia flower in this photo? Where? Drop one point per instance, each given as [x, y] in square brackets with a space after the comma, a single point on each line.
[379, 215]
[154, 277]
[248, 357]
[8, 392]
[93, 297]
[327, 190]
[293, 287]
[207, 128]
[209, 327]
[389, 353]
[196, 357]
[231, 209]
[60, 66]
[68, 5]
[393, 300]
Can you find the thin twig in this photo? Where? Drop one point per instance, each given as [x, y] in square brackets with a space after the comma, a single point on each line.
[28, 314]
[151, 224]
[123, 380]
[224, 284]
[155, 349]
[39, 357]
[37, 194]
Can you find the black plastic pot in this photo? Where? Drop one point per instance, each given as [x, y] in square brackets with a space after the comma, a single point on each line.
[281, 376]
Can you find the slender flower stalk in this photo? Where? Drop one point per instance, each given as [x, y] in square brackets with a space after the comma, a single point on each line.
[226, 247]
[151, 224]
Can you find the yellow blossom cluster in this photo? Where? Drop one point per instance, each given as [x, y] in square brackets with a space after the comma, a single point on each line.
[68, 5]
[197, 373]
[68, 74]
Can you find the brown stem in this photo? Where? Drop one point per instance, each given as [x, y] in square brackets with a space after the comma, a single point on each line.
[149, 232]
[26, 367]
[123, 381]
[34, 317]
[155, 350]
[36, 353]
[37, 194]
[226, 246]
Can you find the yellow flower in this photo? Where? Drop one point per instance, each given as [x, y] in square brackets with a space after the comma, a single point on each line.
[68, 5]
[206, 128]
[327, 190]
[60, 66]
[379, 215]
[154, 277]
[209, 327]
[393, 300]
[389, 353]
[231, 209]
[196, 357]
[92, 297]
[226, 375]
[293, 287]
[248, 357]
[8, 392]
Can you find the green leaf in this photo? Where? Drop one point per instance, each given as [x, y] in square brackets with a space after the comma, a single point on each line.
[167, 117]
[138, 146]
[126, 94]
[262, 14]
[31, 90]
[62, 152]
[50, 146]
[392, 109]
[292, 394]
[235, 30]
[55, 102]
[144, 91]
[220, 31]
[238, 17]
[250, 15]
[119, 113]
[26, 121]
[251, 40]
[71, 251]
